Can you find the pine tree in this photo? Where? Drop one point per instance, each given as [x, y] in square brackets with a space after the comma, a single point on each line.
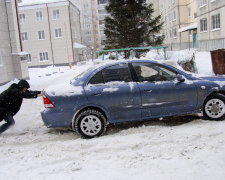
[131, 24]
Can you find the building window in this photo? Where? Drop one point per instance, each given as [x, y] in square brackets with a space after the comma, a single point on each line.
[24, 36]
[203, 25]
[85, 5]
[39, 16]
[56, 14]
[58, 33]
[174, 32]
[22, 18]
[216, 21]
[43, 56]
[29, 58]
[41, 35]
[0, 58]
[170, 33]
[190, 33]
[174, 15]
[189, 12]
[102, 1]
[203, 3]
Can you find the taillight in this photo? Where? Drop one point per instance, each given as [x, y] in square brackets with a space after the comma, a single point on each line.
[48, 103]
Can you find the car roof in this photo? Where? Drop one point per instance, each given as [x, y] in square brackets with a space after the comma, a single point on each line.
[82, 79]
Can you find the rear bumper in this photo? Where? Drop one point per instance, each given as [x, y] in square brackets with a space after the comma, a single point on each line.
[56, 119]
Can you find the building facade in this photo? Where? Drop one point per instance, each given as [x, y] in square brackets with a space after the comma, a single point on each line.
[102, 14]
[50, 32]
[91, 24]
[90, 27]
[193, 24]
[211, 25]
[179, 17]
[12, 58]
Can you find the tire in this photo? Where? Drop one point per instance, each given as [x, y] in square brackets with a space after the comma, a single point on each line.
[214, 107]
[90, 123]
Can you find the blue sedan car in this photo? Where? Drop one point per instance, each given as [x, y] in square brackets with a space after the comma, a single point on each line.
[131, 90]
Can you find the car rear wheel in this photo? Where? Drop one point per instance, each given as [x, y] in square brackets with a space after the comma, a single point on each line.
[214, 107]
[90, 123]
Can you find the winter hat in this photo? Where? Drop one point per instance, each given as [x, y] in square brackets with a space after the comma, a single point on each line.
[23, 84]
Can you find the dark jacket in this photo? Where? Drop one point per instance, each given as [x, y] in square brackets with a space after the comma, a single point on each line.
[12, 98]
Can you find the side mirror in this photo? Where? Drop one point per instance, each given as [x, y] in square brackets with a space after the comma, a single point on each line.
[180, 78]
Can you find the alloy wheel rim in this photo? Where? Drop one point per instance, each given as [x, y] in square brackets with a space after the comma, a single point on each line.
[91, 125]
[215, 108]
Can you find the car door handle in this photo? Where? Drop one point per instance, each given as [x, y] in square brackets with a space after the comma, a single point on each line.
[97, 94]
[148, 90]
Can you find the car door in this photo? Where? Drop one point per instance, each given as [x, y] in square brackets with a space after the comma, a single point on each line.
[161, 93]
[113, 89]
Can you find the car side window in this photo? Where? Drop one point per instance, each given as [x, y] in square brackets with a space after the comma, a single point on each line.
[119, 72]
[97, 78]
[153, 72]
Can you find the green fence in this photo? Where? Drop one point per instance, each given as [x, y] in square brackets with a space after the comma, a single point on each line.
[132, 51]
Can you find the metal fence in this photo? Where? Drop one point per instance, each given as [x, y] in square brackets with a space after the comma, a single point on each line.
[210, 45]
[206, 45]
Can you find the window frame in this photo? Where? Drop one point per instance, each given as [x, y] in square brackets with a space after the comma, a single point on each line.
[154, 64]
[24, 36]
[43, 56]
[1, 59]
[39, 16]
[41, 33]
[175, 33]
[104, 82]
[203, 25]
[215, 22]
[29, 60]
[22, 18]
[203, 3]
[58, 32]
[189, 12]
[55, 14]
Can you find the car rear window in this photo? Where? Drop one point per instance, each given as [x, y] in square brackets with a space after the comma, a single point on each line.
[119, 72]
[115, 73]
[97, 78]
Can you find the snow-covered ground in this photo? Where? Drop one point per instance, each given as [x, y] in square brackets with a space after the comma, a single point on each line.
[174, 149]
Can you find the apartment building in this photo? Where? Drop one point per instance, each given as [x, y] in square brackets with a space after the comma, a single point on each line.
[155, 6]
[102, 14]
[50, 32]
[13, 62]
[179, 28]
[91, 32]
[211, 24]
[193, 24]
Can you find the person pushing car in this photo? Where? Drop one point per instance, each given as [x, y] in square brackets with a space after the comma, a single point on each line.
[11, 100]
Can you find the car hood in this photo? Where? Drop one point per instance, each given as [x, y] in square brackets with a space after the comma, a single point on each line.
[220, 80]
[64, 89]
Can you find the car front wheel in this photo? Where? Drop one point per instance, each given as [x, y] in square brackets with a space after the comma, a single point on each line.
[214, 107]
[90, 123]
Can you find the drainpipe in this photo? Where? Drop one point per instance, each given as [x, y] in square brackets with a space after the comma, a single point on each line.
[10, 39]
[71, 34]
[209, 22]
[179, 21]
[50, 37]
[18, 25]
